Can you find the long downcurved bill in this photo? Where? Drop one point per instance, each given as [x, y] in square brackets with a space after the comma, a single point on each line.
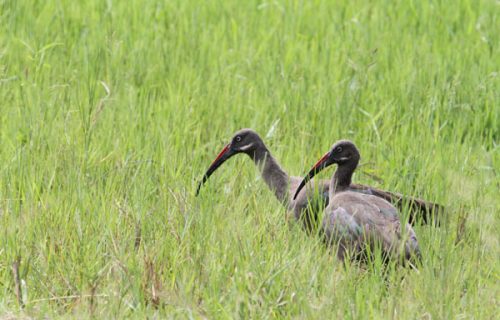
[320, 165]
[225, 154]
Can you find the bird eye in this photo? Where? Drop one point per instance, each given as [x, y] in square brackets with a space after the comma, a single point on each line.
[338, 149]
[238, 138]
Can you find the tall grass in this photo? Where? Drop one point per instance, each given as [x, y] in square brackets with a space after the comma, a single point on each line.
[111, 110]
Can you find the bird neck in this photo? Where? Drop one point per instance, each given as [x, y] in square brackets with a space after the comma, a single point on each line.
[275, 177]
[342, 178]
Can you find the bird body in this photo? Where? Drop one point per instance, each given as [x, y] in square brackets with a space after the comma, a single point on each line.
[355, 221]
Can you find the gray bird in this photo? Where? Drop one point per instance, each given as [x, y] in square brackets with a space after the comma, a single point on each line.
[311, 200]
[357, 221]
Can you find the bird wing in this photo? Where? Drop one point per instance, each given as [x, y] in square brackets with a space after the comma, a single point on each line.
[340, 226]
[373, 220]
[418, 207]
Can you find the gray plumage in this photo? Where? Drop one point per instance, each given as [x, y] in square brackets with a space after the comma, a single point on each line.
[355, 221]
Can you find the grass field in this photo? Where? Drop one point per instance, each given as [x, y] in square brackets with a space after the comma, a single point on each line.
[110, 111]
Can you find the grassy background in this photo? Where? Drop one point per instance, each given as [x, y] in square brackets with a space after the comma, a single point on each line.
[111, 110]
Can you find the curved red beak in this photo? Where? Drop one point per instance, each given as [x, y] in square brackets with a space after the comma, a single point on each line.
[322, 163]
[223, 155]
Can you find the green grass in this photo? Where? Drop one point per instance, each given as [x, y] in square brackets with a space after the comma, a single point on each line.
[110, 111]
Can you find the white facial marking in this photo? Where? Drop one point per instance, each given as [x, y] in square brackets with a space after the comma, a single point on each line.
[246, 147]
